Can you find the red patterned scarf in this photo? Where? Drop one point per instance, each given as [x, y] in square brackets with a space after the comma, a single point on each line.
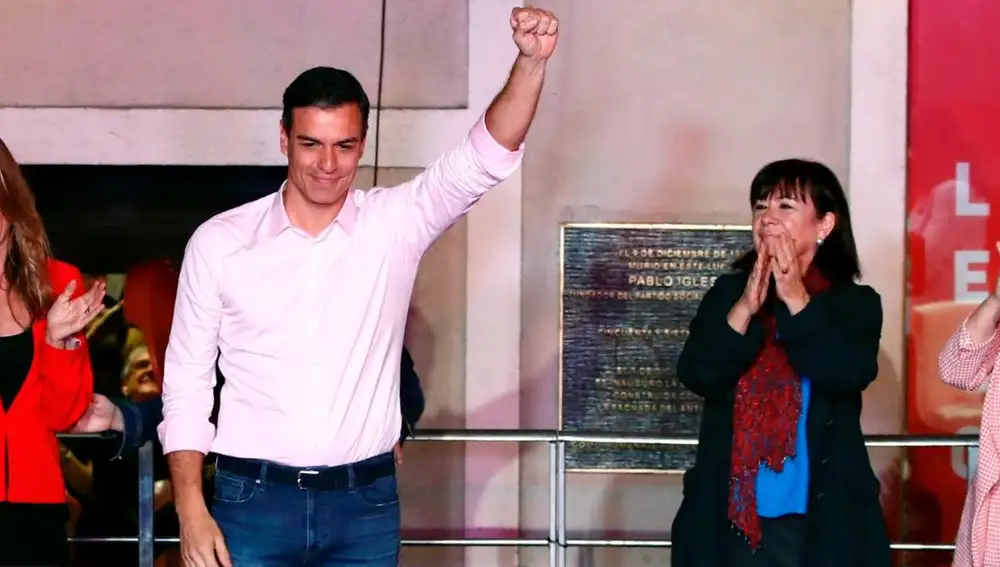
[765, 419]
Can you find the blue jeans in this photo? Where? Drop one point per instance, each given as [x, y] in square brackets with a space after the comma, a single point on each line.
[268, 524]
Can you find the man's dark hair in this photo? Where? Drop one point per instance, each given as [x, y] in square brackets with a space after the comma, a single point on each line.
[324, 87]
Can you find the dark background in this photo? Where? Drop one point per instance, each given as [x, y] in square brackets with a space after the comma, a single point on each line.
[106, 218]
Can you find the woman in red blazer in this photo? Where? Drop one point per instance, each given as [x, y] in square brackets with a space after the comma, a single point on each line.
[46, 381]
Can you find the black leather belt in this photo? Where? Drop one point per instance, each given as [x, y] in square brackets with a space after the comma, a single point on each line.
[324, 478]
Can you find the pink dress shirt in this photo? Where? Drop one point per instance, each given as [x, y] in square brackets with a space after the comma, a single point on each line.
[966, 365]
[309, 330]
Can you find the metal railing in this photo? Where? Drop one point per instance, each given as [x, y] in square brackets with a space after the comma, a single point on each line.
[557, 540]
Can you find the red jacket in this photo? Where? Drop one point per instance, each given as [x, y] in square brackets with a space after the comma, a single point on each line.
[56, 392]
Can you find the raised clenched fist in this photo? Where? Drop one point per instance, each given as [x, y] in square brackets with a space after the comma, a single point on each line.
[535, 31]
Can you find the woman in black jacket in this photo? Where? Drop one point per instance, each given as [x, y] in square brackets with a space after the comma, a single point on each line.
[781, 351]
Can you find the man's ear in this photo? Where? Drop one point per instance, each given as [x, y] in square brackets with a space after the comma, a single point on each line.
[283, 137]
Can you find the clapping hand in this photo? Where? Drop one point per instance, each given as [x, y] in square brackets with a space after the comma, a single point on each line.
[535, 31]
[757, 284]
[68, 316]
[788, 283]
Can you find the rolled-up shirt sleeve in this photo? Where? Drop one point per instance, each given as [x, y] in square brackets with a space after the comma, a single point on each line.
[450, 186]
[965, 364]
[189, 365]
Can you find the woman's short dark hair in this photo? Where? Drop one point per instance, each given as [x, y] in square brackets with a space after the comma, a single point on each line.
[837, 257]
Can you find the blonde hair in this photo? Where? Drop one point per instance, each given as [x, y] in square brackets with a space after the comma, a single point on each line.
[26, 266]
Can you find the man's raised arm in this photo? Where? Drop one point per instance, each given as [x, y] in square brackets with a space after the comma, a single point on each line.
[511, 113]
[450, 186]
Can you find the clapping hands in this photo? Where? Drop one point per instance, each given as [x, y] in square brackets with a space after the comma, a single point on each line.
[68, 316]
[775, 257]
[788, 283]
[757, 284]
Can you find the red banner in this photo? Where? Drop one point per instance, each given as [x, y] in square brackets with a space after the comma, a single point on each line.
[952, 190]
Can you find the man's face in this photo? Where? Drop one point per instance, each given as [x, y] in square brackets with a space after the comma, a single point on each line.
[139, 383]
[323, 147]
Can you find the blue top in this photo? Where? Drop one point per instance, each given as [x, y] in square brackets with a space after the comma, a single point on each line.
[787, 492]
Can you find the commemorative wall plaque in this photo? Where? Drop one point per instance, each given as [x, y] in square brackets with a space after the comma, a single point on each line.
[629, 292]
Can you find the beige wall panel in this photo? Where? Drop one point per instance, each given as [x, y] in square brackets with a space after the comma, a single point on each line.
[662, 112]
[226, 53]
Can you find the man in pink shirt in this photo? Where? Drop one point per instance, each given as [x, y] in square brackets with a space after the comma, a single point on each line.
[302, 296]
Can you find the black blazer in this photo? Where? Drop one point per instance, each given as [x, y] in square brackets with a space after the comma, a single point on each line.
[411, 396]
[834, 341]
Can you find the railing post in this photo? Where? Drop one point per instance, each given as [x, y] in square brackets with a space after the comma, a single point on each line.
[561, 502]
[553, 504]
[146, 505]
[971, 463]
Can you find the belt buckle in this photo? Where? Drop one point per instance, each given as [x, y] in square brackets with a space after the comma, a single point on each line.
[298, 478]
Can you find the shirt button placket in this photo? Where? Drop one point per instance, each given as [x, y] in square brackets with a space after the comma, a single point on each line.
[314, 287]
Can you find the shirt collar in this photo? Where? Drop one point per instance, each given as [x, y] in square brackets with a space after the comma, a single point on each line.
[277, 221]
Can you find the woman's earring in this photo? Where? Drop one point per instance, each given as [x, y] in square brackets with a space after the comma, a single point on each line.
[819, 242]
